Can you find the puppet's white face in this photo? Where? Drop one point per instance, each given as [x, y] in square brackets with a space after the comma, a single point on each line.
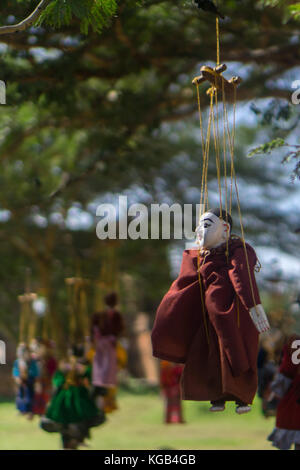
[211, 231]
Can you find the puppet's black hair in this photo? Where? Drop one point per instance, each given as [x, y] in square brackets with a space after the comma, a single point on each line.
[111, 299]
[224, 215]
[78, 351]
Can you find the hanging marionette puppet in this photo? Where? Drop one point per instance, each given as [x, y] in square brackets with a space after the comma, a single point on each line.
[25, 373]
[106, 327]
[72, 411]
[211, 316]
[47, 365]
[170, 389]
[25, 368]
[213, 328]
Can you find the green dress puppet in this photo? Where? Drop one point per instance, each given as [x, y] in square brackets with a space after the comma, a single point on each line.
[72, 411]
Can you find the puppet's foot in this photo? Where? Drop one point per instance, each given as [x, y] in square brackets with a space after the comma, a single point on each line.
[242, 408]
[217, 406]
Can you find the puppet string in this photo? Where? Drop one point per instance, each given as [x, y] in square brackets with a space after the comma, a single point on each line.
[201, 294]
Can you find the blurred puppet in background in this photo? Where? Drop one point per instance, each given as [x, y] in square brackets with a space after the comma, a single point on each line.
[106, 328]
[286, 388]
[25, 374]
[72, 411]
[170, 375]
[47, 364]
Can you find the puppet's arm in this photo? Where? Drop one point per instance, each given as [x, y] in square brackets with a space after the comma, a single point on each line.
[244, 283]
[177, 318]
[58, 379]
[259, 318]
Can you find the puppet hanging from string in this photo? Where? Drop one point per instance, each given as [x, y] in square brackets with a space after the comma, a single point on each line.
[211, 317]
[107, 328]
[72, 411]
[35, 363]
[25, 367]
[44, 352]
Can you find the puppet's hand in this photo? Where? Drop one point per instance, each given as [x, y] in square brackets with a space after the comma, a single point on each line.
[259, 318]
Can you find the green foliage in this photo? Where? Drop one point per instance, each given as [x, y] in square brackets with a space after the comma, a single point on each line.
[272, 3]
[267, 148]
[295, 10]
[288, 11]
[90, 118]
[292, 154]
[90, 13]
[280, 118]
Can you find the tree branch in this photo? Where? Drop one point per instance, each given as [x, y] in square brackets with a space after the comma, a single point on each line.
[27, 22]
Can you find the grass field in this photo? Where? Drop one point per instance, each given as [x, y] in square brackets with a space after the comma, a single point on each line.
[138, 425]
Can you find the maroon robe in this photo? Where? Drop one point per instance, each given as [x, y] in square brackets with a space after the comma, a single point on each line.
[224, 365]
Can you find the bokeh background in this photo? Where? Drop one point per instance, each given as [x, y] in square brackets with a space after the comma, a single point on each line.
[100, 104]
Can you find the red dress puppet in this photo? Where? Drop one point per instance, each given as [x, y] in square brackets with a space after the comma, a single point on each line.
[286, 387]
[43, 387]
[212, 334]
[169, 381]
